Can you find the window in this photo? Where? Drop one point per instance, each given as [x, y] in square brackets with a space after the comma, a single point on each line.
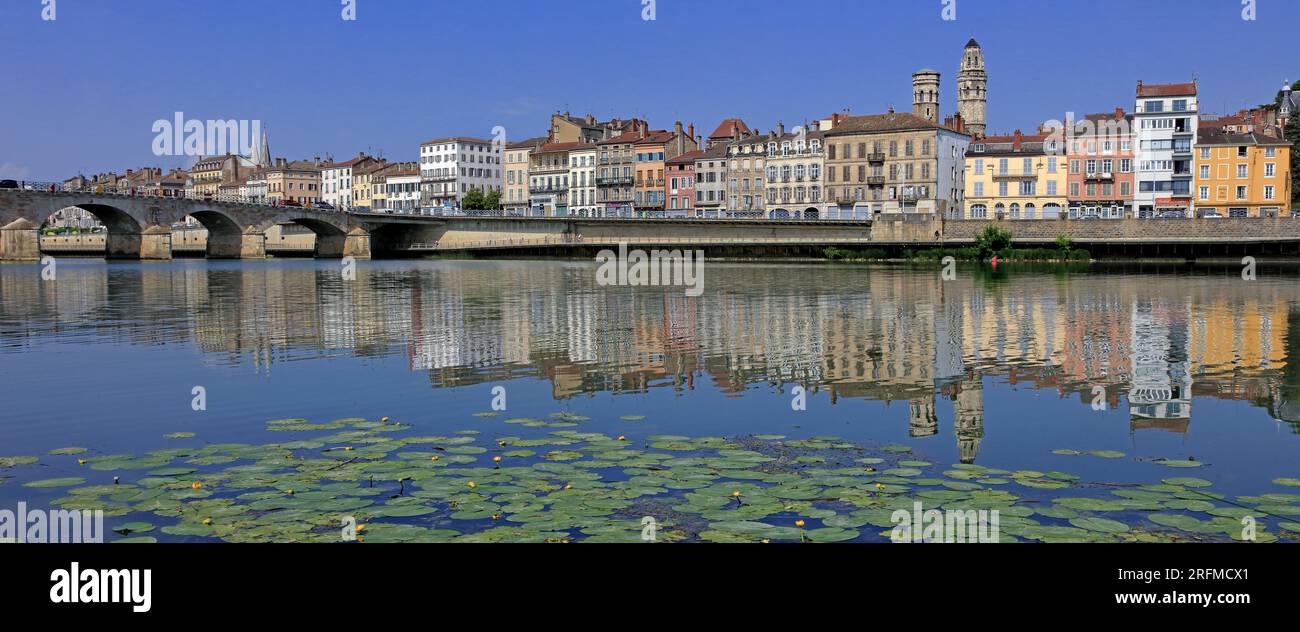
[1241, 193]
[1204, 193]
[979, 189]
[1180, 105]
[1205, 153]
[1205, 172]
[1270, 170]
[1270, 152]
[1268, 192]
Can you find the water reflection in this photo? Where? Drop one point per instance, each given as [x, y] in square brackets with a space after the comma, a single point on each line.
[1149, 341]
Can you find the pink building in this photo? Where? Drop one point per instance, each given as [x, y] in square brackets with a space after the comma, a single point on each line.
[679, 185]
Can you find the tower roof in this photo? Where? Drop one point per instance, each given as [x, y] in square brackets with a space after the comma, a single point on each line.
[972, 43]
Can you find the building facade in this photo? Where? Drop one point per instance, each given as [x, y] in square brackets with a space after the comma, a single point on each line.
[1016, 177]
[711, 182]
[450, 167]
[1165, 123]
[548, 179]
[615, 182]
[336, 180]
[679, 184]
[299, 181]
[893, 163]
[582, 181]
[514, 195]
[402, 189]
[1101, 167]
[1243, 175]
[795, 162]
[746, 177]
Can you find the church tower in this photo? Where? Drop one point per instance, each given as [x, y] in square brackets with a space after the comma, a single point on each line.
[925, 94]
[972, 89]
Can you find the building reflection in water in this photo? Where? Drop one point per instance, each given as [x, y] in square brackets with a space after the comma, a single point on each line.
[855, 332]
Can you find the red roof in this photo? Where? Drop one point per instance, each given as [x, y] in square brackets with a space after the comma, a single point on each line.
[625, 137]
[727, 128]
[658, 136]
[686, 158]
[1166, 89]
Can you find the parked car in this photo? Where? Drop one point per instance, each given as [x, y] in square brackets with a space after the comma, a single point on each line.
[288, 202]
[8, 184]
[323, 205]
[1214, 215]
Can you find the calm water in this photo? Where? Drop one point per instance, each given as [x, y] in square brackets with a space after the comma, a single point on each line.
[996, 369]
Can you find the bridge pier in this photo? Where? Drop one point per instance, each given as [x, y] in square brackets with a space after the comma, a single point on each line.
[153, 243]
[355, 244]
[20, 240]
[247, 245]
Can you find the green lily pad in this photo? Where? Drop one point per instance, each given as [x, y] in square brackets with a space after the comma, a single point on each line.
[67, 481]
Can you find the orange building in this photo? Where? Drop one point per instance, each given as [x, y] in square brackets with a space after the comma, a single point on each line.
[1242, 175]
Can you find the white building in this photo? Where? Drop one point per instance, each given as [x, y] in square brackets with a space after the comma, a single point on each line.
[403, 191]
[450, 167]
[336, 180]
[254, 189]
[1164, 122]
[582, 181]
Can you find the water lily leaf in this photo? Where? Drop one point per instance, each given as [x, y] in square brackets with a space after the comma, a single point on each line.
[11, 461]
[67, 481]
[1179, 463]
[67, 451]
[179, 435]
[134, 527]
[1289, 482]
[1104, 525]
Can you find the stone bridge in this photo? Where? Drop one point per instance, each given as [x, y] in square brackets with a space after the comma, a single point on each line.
[139, 227]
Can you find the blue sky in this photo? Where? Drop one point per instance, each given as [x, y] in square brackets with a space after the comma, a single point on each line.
[82, 92]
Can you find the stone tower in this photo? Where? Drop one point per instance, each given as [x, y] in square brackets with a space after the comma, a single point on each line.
[925, 94]
[972, 89]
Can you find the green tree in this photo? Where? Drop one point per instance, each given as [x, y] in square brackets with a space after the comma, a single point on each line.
[473, 200]
[992, 240]
[492, 200]
[1063, 244]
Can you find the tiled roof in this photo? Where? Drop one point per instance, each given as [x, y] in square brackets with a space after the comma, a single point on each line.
[715, 152]
[1166, 89]
[656, 137]
[891, 122]
[531, 143]
[1216, 136]
[686, 158]
[727, 128]
[456, 139]
[625, 137]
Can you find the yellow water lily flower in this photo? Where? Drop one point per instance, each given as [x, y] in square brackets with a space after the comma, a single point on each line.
[347, 449]
[434, 458]
[568, 486]
[766, 541]
[196, 485]
[496, 459]
[799, 523]
[622, 438]
[81, 461]
[879, 486]
[207, 522]
[473, 484]
[383, 420]
[361, 528]
[736, 494]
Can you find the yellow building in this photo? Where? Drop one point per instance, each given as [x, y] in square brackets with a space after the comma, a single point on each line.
[1016, 177]
[363, 189]
[1242, 175]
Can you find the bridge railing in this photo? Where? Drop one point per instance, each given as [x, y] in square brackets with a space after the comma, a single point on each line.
[571, 240]
[145, 192]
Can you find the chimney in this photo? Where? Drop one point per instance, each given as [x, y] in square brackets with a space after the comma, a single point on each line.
[959, 123]
[891, 109]
[1119, 114]
[691, 131]
[835, 120]
[591, 120]
[780, 128]
[1016, 144]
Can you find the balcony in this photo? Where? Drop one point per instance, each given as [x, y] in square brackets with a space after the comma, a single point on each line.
[441, 178]
[1098, 175]
[548, 188]
[614, 181]
[1014, 175]
[876, 156]
[876, 181]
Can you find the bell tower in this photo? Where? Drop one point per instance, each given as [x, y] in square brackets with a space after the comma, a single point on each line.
[972, 89]
[925, 94]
